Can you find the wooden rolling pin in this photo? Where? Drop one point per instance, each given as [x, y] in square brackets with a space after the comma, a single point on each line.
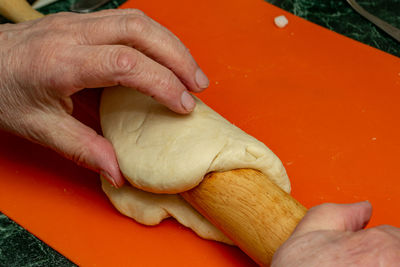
[249, 208]
[18, 11]
[244, 204]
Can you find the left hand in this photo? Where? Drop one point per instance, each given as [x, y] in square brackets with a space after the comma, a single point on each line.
[333, 235]
[45, 61]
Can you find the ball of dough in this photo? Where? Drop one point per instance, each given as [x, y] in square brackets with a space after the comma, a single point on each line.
[162, 153]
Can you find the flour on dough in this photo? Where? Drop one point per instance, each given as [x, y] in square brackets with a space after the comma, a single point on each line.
[163, 153]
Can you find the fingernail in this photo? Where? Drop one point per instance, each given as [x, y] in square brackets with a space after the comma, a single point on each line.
[187, 101]
[201, 79]
[109, 178]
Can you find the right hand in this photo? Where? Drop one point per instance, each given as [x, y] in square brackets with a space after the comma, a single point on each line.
[44, 61]
[333, 235]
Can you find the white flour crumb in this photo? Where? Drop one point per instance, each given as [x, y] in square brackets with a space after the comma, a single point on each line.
[281, 21]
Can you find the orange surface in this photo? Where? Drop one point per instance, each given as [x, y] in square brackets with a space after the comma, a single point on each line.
[326, 105]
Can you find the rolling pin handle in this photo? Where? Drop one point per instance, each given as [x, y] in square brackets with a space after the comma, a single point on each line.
[18, 11]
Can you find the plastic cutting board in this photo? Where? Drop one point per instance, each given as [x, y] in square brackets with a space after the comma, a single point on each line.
[325, 104]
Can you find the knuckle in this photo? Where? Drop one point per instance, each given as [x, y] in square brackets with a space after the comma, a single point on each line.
[168, 83]
[124, 60]
[137, 23]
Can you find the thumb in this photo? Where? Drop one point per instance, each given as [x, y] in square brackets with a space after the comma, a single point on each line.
[340, 217]
[82, 144]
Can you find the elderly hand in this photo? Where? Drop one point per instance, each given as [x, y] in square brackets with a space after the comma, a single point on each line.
[44, 62]
[333, 235]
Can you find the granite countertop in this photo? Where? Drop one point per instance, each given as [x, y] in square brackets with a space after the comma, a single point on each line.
[19, 248]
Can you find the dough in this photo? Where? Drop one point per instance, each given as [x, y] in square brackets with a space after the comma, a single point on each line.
[150, 209]
[163, 153]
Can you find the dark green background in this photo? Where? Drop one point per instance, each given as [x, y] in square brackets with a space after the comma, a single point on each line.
[20, 248]
[332, 14]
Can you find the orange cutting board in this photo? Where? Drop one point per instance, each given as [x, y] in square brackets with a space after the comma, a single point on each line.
[325, 104]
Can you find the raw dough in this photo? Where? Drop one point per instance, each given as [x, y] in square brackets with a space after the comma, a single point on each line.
[150, 209]
[163, 152]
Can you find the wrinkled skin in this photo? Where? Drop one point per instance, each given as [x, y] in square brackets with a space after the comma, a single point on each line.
[44, 62]
[333, 235]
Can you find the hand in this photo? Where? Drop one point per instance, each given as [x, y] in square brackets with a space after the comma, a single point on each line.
[333, 235]
[44, 62]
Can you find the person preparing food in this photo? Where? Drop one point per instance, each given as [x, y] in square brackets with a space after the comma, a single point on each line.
[45, 61]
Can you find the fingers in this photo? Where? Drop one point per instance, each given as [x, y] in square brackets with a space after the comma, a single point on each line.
[341, 217]
[135, 29]
[81, 144]
[104, 66]
[110, 12]
[120, 48]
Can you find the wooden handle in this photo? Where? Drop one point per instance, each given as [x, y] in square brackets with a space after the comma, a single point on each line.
[18, 11]
[249, 208]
